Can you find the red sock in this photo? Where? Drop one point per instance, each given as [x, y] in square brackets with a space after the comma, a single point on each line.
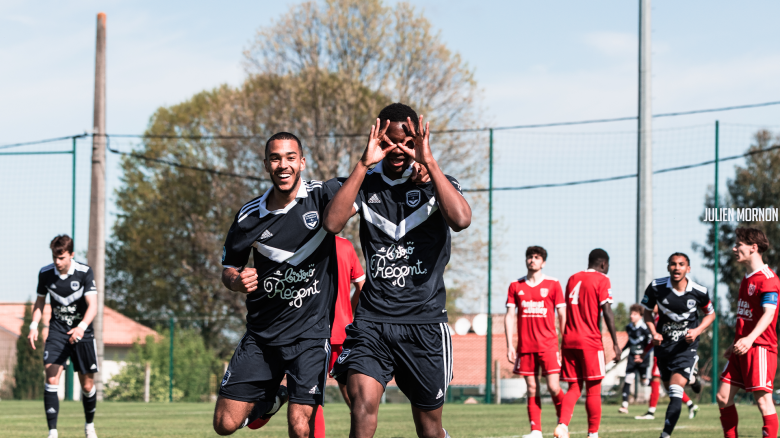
[319, 423]
[569, 400]
[685, 398]
[535, 412]
[593, 405]
[557, 401]
[655, 392]
[770, 425]
[729, 420]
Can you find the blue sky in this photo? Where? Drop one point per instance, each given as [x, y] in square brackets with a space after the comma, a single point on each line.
[535, 61]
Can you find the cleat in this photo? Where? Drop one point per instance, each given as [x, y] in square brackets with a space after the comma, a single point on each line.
[561, 431]
[53, 433]
[648, 416]
[692, 411]
[622, 410]
[89, 431]
[533, 434]
[281, 398]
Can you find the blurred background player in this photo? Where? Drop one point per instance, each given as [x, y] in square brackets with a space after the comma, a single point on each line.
[400, 327]
[587, 294]
[753, 355]
[71, 287]
[535, 299]
[638, 337]
[350, 273]
[676, 337]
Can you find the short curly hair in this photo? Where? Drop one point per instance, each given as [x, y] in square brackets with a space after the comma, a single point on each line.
[398, 112]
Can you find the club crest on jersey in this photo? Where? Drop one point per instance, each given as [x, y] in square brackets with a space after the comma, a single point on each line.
[691, 304]
[74, 285]
[544, 291]
[751, 290]
[413, 198]
[311, 219]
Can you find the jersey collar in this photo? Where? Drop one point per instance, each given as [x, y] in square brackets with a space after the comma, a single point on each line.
[756, 271]
[688, 287]
[71, 270]
[529, 283]
[394, 182]
[262, 211]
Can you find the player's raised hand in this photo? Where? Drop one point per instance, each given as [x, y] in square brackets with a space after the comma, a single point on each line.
[657, 338]
[246, 281]
[420, 137]
[511, 355]
[375, 151]
[33, 337]
[420, 174]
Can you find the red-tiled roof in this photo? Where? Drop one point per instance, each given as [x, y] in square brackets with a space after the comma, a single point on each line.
[119, 330]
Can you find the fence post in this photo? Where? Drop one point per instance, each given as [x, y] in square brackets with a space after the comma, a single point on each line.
[147, 381]
[716, 262]
[489, 352]
[170, 363]
[498, 382]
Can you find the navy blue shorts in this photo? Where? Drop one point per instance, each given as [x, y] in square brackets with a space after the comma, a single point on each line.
[419, 356]
[682, 363]
[83, 354]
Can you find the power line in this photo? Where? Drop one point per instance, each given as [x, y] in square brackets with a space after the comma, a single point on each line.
[48, 140]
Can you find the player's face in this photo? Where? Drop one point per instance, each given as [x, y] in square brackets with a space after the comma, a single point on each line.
[62, 261]
[678, 268]
[396, 161]
[635, 317]
[284, 164]
[742, 251]
[534, 262]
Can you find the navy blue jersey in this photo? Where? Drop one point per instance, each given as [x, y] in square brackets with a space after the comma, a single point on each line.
[296, 265]
[67, 292]
[406, 244]
[638, 337]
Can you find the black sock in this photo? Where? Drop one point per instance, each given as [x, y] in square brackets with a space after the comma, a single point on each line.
[626, 391]
[673, 411]
[89, 400]
[51, 403]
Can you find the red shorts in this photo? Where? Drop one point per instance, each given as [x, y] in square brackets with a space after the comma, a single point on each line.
[335, 351]
[583, 365]
[527, 363]
[754, 371]
[656, 372]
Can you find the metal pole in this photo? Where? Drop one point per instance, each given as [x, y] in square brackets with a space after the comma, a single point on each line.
[96, 251]
[498, 382]
[715, 266]
[489, 352]
[644, 210]
[170, 363]
[69, 378]
[147, 381]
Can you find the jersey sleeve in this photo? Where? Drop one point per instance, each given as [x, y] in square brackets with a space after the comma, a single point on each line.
[235, 253]
[558, 299]
[510, 299]
[649, 299]
[328, 191]
[769, 290]
[605, 291]
[454, 183]
[90, 288]
[356, 270]
[704, 303]
[41, 292]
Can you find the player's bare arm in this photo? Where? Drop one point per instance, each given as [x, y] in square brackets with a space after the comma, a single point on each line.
[609, 319]
[244, 281]
[742, 345]
[36, 318]
[76, 333]
[453, 205]
[561, 318]
[341, 207]
[509, 328]
[696, 332]
[657, 337]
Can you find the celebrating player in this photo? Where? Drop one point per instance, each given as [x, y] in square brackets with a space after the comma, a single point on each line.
[676, 336]
[753, 355]
[350, 272]
[638, 335]
[587, 293]
[400, 327]
[71, 287]
[535, 298]
[289, 296]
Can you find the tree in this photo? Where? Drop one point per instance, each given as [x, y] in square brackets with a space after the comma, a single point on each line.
[28, 372]
[322, 71]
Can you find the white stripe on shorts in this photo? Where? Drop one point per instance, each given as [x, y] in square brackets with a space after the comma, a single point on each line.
[602, 366]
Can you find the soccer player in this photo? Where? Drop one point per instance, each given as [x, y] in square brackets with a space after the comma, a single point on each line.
[73, 298]
[535, 299]
[587, 294]
[290, 294]
[638, 336]
[676, 336]
[400, 328]
[350, 273]
[753, 355]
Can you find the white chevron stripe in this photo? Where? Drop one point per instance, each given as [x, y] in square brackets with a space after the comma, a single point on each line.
[398, 231]
[293, 258]
[69, 299]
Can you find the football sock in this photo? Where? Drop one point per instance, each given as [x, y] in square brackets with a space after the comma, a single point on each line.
[686, 400]
[770, 425]
[319, 422]
[729, 420]
[655, 392]
[626, 392]
[535, 412]
[673, 411]
[569, 400]
[260, 409]
[557, 400]
[89, 400]
[593, 405]
[51, 403]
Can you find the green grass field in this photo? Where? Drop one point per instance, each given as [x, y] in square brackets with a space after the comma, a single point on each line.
[26, 419]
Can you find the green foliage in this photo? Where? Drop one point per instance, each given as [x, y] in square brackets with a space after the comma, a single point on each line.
[193, 362]
[621, 316]
[28, 372]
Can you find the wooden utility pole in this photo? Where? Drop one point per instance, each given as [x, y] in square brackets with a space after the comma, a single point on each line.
[96, 251]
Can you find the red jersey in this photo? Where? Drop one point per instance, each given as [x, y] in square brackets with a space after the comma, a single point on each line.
[536, 313]
[758, 294]
[586, 291]
[350, 272]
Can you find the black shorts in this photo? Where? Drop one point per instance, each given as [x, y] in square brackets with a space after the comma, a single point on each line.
[256, 371]
[637, 367]
[83, 353]
[419, 356]
[682, 363]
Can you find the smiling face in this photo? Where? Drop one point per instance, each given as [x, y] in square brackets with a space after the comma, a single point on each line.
[284, 164]
[396, 161]
[678, 268]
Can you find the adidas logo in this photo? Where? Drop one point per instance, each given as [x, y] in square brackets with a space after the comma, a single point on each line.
[266, 234]
[521, 293]
[93, 367]
[374, 199]
[439, 395]
[315, 390]
[51, 411]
